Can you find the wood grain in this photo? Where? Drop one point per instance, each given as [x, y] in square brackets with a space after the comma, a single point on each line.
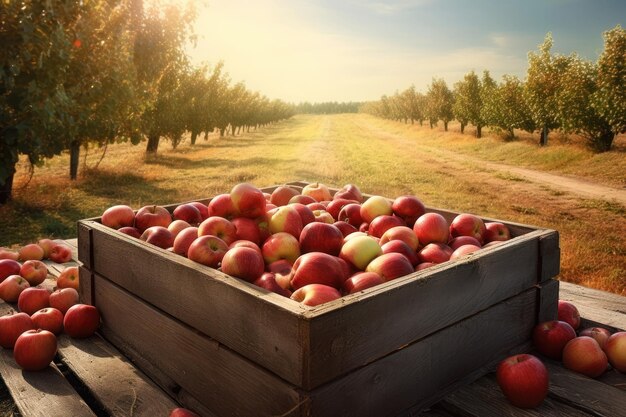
[597, 307]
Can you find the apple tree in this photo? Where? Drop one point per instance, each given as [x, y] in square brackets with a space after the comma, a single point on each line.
[440, 102]
[609, 99]
[542, 86]
[468, 102]
[508, 109]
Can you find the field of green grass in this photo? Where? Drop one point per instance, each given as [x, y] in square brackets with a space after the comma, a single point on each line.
[380, 156]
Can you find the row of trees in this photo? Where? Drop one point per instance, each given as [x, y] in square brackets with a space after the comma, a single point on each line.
[74, 74]
[328, 107]
[559, 92]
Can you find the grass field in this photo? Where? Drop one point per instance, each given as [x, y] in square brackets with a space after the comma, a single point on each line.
[381, 157]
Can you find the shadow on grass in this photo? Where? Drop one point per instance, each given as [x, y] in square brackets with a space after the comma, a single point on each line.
[124, 187]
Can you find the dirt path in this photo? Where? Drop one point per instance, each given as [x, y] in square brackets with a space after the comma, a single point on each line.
[561, 183]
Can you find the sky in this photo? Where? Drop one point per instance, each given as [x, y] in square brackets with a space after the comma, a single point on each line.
[351, 50]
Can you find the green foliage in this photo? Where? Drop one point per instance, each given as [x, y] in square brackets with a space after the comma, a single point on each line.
[329, 107]
[468, 101]
[507, 108]
[610, 98]
[440, 100]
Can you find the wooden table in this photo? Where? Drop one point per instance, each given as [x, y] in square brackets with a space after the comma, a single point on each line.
[92, 378]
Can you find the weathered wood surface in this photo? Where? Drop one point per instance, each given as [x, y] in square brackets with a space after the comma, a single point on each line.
[50, 394]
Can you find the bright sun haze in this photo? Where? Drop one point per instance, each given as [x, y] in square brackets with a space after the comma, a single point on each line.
[352, 50]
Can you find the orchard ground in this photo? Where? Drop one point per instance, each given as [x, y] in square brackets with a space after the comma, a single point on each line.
[562, 186]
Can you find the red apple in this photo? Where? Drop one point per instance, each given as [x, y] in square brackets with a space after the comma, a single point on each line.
[349, 192]
[435, 252]
[345, 228]
[222, 205]
[282, 194]
[207, 250]
[118, 216]
[315, 294]
[248, 200]
[317, 268]
[321, 237]
[33, 299]
[12, 287]
[431, 228]
[8, 254]
[268, 281]
[9, 267]
[245, 244]
[463, 250]
[188, 213]
[317, 191]
[375, 206]
[584, 355]
[496, 232]
[60, 253]
[49, 318]
[302, 199]
[182, 412]
[286, 219]
[360, 251]
[35, 349]
[247, 229]
[149, 216]
[184, 239]
[351, 213]
[335, 206]
[11, 326]
[523, 380]
[599, 333]
[32, 251]
[459, 241]
[402, 233]
[399, 246]
[219, 227]
[306, 214]
[390, 266]
[409, 208]
[323, 216]
[47, 244]
[316, 206]
[177, 226]
[64, 298]
[281, 246]
[158, 236]
[466, 224]
[361, 281]
[202, 208]
[550, 337]
[130, 231]
[569, 313]
[381, 224]
[244, 263]
[615, 349]
[81, 321]
[424, 265]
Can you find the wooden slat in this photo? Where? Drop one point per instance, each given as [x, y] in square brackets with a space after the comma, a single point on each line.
[370, 325]
[416, 374]
[114, 382]
[597, 307]
[549, 255]
[85, 289]
[222, 380]
[41, 394]
[484, 398]
[548, 301]
[84, 244]
[585, 393]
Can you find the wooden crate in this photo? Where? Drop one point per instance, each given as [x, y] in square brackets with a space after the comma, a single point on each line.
[389, 350]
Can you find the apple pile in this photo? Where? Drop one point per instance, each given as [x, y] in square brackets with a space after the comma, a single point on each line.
[524, 378]
[308, 245]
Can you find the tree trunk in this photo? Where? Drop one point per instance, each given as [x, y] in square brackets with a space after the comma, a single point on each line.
[194, 135]
[445, 126]
[431, 123]
[6, 188]
[206, 135]
[222, 131]
[153, 144]
[511, 133]
[421, 122]
[74, 159]
[462, 127]
[479, 131]
[543, 139]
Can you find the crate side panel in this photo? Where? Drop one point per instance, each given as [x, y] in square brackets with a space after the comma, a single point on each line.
[224, 308]
[550, 254]
[223, 380]
[85, 289]
[409, 308]
[425, 369]
[548, 301]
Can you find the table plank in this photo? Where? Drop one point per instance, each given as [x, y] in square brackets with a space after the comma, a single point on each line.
[596, 307]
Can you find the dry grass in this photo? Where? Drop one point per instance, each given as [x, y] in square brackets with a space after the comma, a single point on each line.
[382, 157]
